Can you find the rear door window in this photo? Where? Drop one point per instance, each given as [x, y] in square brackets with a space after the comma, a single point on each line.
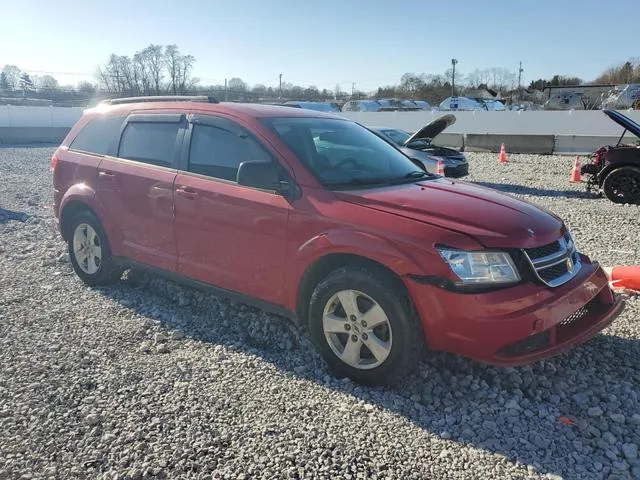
[151, 142]
[99, 136]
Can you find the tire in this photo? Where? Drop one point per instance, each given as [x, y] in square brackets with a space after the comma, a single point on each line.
[400, 338]
[622, 185]
[86, 229]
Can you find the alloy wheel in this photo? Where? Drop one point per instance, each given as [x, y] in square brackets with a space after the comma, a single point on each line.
[357, 329]
[87, 248]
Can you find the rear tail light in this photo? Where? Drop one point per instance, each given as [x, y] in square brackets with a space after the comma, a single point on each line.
[54, 163]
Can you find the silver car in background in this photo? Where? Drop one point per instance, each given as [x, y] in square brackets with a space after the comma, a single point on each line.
[419, 147]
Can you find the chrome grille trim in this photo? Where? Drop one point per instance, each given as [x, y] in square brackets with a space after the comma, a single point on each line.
[566, 254]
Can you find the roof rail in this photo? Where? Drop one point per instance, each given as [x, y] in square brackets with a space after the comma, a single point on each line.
[167, 98]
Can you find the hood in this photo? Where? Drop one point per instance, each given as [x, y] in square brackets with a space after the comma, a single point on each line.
[433, 129]
[435, 152]
[494, 219]
[624, 122]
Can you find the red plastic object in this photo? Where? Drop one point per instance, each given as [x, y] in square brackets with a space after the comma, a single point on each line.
[625, 277]
[566, 421]
[576, 176]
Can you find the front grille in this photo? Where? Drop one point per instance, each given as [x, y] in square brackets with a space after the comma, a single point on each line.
[551, 273]
[575, 317]
[580, 319]
[555, 263]
[544, 251]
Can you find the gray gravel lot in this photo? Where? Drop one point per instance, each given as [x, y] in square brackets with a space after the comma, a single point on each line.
[148, 379]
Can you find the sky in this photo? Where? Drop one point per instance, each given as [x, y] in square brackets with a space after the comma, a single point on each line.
[323, 43]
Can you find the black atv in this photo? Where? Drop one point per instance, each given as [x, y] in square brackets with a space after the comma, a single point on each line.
[615, 170]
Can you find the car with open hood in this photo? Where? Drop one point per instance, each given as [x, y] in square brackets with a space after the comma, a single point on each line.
[615, 169]
[316, 218]
[419, 146]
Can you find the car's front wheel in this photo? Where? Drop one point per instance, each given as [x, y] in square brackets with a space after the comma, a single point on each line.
[622, 185]
[89, 251]
[364, 326]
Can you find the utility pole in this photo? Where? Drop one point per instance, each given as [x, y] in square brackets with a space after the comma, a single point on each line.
[225, 89]
[453, 77]
[353, 88]
[520, 70]
[280, 85]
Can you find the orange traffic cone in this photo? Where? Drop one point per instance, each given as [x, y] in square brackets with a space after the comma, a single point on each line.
[502, 158]
[440, 168]
[576, 175]
[625, 277]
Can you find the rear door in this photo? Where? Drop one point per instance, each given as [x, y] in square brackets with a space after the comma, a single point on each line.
[228, 235]
[136, 187]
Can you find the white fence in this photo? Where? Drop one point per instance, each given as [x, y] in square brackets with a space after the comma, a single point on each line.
[579, 122]
[21, 116]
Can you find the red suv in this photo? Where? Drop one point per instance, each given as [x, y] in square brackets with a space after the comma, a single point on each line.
[317, 218]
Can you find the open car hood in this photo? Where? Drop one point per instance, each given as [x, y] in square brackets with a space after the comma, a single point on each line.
[624, 122]
[433, 129]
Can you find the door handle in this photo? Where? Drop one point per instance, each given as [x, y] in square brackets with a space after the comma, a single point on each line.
[186, 192]
[106, 175]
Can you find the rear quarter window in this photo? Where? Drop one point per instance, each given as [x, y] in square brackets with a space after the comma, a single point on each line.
[98, 136]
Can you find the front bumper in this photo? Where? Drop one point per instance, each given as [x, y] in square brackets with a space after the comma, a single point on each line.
[517, 325]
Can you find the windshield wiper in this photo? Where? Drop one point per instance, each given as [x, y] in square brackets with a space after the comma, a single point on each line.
[418, 174]
[358, 182]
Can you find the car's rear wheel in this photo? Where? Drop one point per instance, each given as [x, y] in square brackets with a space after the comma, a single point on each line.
[364, 326]
[89, 251]
[622, 185]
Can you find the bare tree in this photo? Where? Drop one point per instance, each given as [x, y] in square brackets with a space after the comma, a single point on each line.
[143, 72]
[172, 60]
[237, 84]
[187, 81]
[46, 82]
[179, 69]
[12, 76]
[411, 84]
[156, 59]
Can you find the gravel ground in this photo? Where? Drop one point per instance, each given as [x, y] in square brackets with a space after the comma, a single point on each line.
[148, 379]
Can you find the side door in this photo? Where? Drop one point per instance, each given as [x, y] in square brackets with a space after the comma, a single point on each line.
[228, 235]
[136, 187]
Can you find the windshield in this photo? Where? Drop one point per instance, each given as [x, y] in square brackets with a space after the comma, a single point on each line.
[341, 153]
[400, 136]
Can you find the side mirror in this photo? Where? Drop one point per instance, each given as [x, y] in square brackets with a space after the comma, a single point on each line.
[262, 174]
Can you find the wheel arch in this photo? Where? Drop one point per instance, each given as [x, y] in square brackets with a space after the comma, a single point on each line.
[615, 166]
[69, 211]
[329, 262]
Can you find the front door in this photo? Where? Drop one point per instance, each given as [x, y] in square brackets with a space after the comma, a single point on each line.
[228, 235]
[136, 188]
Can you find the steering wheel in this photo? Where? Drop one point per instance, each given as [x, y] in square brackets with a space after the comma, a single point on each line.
[347, 160]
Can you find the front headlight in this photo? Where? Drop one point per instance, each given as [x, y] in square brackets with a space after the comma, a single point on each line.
[481, 268]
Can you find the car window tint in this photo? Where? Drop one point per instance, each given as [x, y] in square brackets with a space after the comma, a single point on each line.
[218, 153]
[151, 142]
[398, 136]
[97, 135]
